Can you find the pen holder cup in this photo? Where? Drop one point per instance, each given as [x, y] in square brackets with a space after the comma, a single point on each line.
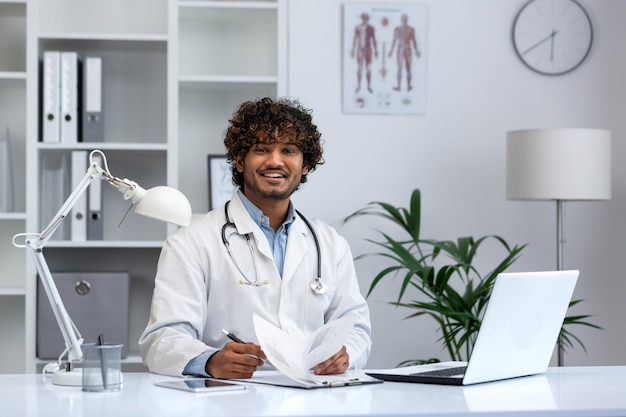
[102, 367]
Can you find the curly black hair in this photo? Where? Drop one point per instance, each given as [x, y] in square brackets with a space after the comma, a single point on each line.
[272, 121]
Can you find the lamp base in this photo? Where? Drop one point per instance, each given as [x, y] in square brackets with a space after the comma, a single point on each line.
[73, 378]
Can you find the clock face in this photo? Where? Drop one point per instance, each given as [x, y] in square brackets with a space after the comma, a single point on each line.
[552, 37]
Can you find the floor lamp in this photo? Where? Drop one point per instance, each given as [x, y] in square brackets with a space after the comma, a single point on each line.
[559, 165]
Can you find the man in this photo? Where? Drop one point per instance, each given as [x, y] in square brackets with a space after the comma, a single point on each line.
[363, 43]
[271, 270]
[404, 37]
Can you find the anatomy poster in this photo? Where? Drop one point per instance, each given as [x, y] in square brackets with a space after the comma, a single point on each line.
[384, 58]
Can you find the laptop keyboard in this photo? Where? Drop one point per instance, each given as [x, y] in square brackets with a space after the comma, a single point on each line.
[458, 370]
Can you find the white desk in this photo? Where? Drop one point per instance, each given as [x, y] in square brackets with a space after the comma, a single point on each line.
[570, 391]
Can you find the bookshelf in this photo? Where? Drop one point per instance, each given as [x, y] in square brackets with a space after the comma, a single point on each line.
[166, 102]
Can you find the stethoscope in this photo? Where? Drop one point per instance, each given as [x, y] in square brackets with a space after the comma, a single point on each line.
[317, 285]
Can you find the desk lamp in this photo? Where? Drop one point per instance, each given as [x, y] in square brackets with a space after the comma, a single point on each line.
[559, 165]
[161, 203]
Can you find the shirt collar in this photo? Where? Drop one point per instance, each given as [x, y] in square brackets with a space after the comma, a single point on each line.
[261, 219]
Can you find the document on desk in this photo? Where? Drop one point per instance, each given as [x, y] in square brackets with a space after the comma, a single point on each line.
[294, 356]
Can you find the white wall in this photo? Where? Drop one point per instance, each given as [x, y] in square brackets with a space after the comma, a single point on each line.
[476, 91]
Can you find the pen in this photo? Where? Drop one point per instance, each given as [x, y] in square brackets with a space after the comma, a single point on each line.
[345, 383]
[232, 337]
[103, 366]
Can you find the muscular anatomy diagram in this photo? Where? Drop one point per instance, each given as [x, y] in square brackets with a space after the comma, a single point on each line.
[363, 44]
[404, 41]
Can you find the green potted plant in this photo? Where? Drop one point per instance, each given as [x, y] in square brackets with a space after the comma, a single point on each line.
[451, 290]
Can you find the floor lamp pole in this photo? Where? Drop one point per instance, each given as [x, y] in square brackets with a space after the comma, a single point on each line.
[559, 263]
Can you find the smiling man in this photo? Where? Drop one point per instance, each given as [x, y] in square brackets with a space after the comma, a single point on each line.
[255, 255]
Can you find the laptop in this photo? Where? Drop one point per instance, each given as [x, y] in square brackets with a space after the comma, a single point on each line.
[517, 336]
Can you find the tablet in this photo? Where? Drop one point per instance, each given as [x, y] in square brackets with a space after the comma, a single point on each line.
[200, 385]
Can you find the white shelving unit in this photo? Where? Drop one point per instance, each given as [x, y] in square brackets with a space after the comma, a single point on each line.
[133, 46]
[174, 72]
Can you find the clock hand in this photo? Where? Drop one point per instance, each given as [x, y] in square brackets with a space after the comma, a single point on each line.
[550, 36]
[552, 45]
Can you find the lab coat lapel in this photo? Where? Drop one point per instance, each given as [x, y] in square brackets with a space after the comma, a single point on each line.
[297, 249]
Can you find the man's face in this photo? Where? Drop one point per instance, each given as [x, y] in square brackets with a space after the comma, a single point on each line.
[271, 170]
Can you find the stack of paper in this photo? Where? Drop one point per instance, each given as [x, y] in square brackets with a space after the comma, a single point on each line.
[294, 356]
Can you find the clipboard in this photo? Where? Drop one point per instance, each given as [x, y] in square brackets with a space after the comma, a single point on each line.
[278, 379]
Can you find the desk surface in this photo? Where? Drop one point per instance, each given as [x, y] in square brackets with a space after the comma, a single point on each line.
[569, 391]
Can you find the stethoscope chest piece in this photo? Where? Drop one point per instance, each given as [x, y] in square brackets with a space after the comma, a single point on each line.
[318, 286]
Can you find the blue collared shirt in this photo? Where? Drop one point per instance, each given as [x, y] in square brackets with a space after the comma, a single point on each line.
[278, 243]
[277, 240]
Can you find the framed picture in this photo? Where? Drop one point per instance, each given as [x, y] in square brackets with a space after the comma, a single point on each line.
[221, 186]
[384, 58]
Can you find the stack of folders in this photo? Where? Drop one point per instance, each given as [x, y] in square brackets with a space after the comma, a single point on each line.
[72, 112]
[58, 178]
[72, 98]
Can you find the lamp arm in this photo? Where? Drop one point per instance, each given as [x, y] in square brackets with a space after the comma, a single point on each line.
[71, 336]
[35, 244]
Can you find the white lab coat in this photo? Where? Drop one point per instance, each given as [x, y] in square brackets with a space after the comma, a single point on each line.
[198, 291]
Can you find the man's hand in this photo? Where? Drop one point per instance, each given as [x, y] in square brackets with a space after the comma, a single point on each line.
[235, 360]
[336, 364]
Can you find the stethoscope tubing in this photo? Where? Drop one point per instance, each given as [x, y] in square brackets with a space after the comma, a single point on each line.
[318, 286]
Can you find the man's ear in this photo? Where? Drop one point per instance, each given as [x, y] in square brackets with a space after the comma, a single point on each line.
[239, 163]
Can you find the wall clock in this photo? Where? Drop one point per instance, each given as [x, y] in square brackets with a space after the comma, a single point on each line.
[552, 37]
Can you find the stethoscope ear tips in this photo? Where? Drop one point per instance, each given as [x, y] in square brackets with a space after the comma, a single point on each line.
[242, 282]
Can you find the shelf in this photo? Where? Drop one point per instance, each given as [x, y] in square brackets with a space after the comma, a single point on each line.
[12, 216]
[247, 5]
[111, 244]
[12, 292]
[227, 81]
[108, 37]
[12, 75]
[130, 359]
[104, 146]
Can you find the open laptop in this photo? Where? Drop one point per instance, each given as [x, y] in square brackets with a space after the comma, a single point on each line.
[517, 336]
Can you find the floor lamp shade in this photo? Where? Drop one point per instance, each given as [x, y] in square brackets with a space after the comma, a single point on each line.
[558, 164]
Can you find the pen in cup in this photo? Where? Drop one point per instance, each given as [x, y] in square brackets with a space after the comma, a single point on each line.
[103, 366]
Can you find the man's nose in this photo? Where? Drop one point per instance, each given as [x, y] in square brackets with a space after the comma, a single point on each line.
[275, 157]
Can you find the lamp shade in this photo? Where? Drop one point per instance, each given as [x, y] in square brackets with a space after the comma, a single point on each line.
[163, 203]
[558, 164]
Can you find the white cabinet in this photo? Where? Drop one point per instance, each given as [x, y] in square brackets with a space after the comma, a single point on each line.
[174, 71]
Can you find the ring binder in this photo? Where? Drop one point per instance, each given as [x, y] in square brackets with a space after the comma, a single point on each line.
[51, 131]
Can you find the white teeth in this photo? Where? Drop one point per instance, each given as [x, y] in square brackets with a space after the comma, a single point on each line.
[273, 175]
